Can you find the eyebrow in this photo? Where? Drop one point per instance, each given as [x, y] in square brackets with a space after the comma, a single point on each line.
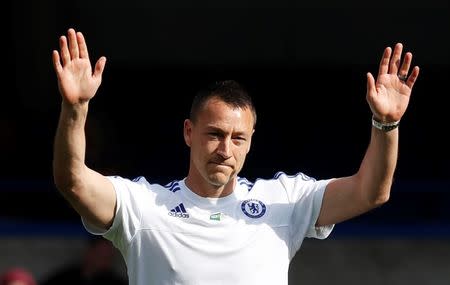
[221, 131]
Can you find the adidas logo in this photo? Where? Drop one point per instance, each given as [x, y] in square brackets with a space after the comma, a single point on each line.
[179, 212]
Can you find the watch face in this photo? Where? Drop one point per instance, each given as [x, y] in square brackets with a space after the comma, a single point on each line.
[389, 128]
[385, 126]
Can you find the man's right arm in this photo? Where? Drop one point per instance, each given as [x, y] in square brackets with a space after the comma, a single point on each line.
[91, 194]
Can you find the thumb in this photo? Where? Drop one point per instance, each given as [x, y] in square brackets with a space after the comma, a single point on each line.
[99, 67]
[370, 83]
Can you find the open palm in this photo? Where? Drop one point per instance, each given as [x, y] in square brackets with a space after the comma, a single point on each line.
[76, 81]
[388, 96]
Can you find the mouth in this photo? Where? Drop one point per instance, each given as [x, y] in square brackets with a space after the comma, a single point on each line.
[221, 164]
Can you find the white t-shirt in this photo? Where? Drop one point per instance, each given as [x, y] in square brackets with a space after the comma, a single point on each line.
[170, 235]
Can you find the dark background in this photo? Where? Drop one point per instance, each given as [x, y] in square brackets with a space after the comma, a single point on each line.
[304, 64]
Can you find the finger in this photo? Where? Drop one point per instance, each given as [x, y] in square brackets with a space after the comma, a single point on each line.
[73, 44]
[56, 62]
[384, 63]
[404, 69]
[99, 67]
[394, 64]
[82, 46]
[371, 89]
[413, 77]
[370, 84]
[65, 55]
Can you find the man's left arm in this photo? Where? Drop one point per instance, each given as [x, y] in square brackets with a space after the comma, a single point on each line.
[388, 98]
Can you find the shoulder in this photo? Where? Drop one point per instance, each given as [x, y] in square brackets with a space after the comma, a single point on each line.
[282, 184]
[141, 183]
[281, 178]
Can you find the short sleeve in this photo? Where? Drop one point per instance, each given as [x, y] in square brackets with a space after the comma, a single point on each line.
[306, 195]
[127, 216]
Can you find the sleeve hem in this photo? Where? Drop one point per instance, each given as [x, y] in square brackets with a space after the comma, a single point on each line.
[321, 232]
[99, 231]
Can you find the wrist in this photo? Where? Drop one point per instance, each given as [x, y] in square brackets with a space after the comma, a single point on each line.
[75, 107]
[385, 126]
[74, 112]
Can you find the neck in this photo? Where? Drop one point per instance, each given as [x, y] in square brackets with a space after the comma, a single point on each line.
[203, 188]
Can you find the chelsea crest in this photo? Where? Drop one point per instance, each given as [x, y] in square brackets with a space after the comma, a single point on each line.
[253, 208]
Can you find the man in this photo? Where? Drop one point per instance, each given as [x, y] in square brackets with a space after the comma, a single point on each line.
[214, 227]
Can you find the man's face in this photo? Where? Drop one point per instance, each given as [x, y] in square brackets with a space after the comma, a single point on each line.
[219, 140]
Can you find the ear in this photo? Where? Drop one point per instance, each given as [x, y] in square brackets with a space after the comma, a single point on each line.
[187, 132]
[250, 142]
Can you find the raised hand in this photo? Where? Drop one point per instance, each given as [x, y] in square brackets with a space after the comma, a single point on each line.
[388, 96]
[76, 81]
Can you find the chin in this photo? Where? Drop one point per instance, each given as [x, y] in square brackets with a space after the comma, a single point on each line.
[219, 179]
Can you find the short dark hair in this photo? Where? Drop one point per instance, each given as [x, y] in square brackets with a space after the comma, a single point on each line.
[228, 91]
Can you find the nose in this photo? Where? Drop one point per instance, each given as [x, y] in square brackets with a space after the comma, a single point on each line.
[224, 149]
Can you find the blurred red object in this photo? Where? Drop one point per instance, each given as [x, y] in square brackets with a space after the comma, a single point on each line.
[17, 276]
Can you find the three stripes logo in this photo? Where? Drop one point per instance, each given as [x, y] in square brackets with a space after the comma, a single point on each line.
[179, 212]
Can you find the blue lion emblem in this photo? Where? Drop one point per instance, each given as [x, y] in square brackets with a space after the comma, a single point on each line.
[253, 208]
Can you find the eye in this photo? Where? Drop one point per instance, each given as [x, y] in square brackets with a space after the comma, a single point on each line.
[239, 140]
[214, 134]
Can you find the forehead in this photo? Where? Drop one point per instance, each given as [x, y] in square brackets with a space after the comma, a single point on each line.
[216, 113]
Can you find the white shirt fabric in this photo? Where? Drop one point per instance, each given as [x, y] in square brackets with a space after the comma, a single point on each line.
[170, 235]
